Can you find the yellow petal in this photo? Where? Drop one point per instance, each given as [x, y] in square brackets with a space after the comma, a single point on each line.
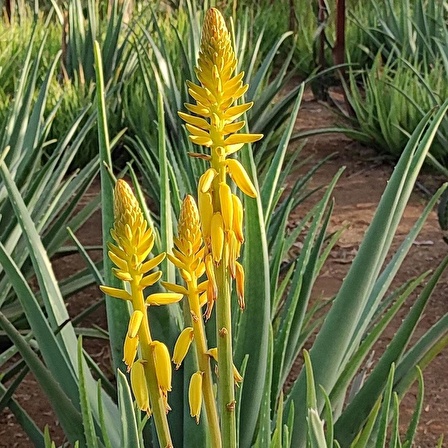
[205, 181]
[225, 197]
[195, 121]
[203, 299]
[234, 112]
[238, 218]
[175, 288]
[233, 127]
[205, 206]
[116, 292]
[212, 288]
[150, 279]
[163, 365]
[119, 262]
[130, 350]
[134, 323]
[203, 286]
[217, 236]
[213, 352]
[195, 395]
[236, 375]
[151, 264]
[193, 130]
[139, 386]
[178, 263]
[124, 276]
[182, 345]
[241, 178]
[198, 109]
[201, 141]
[163, 298]
[230, 149]
[234, 139]
[239, 278]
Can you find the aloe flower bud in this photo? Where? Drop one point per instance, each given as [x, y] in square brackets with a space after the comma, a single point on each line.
[139, 387]
[163, 365]
[182, 345]
[195, 395]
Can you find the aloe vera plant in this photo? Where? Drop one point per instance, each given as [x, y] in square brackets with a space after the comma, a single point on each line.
[277, 315]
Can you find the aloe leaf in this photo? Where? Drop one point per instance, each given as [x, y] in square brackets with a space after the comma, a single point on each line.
[338, 391]
[254, 322]
[129, 436]
[270, 182]
[363, 438]
[117, 310]
[63, 345]
[264, 432]
[316, 434]
[361, 278]
[86, 411]
[384, 415]
[358, 408]
[413, 424]
[68, 415]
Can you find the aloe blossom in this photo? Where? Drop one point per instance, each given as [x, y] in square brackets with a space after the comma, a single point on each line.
[151, 372]
[211, 123]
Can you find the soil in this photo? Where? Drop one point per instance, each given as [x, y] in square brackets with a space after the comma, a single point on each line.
[356, 197]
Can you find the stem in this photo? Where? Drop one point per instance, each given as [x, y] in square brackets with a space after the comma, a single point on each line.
[155, 397]
[226, 393]
[204, 365]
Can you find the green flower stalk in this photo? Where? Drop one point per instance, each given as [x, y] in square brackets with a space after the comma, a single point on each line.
[188, 257]
[213, 126]
[151, 373]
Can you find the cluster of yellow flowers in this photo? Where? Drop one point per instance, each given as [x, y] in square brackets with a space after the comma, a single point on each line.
[209, 238]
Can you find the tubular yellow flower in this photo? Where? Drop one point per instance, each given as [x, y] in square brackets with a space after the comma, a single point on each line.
[163, 298]
[139, 387]
[238, 218]
[163, 365]
[182, 345]
[115, 292]
[130, 351]
[195, 395]
[225, 196]
[217, 235]
[206, 180]
[134, 323]
[240, 285]
[205, 212]
[240, 177]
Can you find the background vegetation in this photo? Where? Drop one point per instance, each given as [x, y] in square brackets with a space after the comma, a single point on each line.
[70, 108]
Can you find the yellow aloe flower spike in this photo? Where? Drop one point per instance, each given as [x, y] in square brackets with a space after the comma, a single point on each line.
[211, 123]
[133, 242]
[189, 258]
